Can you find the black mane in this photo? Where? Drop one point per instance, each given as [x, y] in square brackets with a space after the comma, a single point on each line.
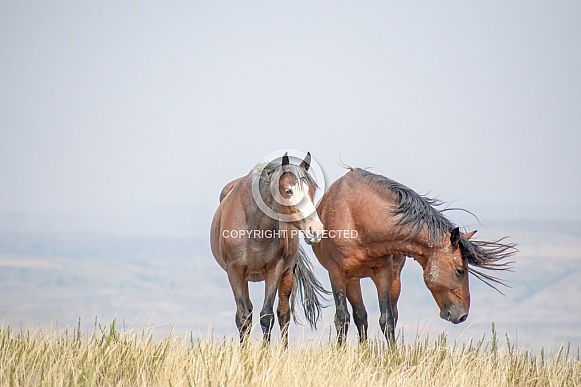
[417, 211]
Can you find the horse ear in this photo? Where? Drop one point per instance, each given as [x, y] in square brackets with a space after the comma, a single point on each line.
[306, 163]
[455, 237]
[285, 160]
[470, 234]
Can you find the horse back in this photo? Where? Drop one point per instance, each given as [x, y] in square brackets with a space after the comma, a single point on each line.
[356, 213]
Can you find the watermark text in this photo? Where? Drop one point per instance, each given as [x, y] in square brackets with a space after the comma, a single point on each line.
[278, 234]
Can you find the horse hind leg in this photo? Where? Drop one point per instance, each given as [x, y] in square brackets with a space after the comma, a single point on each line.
[359, 312]
[284, 310]
[243, 304]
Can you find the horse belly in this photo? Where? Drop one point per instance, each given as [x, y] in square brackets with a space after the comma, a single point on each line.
[255, 276]
[360, 273]
[358, 266]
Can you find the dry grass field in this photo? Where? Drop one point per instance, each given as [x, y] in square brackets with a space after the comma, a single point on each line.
[48, 281]
[110, 357]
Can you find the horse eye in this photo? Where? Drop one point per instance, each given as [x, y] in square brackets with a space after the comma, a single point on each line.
[460, 272]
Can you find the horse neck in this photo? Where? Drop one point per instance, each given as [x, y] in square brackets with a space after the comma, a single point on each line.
[284, 235]
[257, 220]
[418, 247]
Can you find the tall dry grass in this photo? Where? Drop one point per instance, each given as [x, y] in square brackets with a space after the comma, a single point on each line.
[110, 357]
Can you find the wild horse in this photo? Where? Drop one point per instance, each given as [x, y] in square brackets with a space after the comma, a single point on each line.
[387, 222]
[254, 237]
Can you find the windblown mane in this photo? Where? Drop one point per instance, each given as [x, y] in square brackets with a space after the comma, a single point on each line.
[418, 212]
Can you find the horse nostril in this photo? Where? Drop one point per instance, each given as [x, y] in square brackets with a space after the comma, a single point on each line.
[463, 318]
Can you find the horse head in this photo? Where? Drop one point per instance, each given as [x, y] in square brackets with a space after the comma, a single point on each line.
[446, 276]
[293, 190]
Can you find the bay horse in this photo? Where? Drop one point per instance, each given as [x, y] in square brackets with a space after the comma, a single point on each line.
[252, 242]
[387, 222]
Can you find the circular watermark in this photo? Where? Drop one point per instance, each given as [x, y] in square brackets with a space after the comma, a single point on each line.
[270, 170]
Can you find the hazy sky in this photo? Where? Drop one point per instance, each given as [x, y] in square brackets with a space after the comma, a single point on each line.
[158, 104]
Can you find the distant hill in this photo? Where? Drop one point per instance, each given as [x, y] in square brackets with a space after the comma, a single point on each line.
[174, 283]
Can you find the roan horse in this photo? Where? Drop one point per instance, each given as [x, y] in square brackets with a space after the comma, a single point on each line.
[262, 244]
[387, 222]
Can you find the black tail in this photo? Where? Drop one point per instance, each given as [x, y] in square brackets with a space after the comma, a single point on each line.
[310, 290]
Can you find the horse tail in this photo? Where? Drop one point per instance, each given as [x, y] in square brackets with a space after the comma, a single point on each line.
[227, 188]
[342, 164]
[310, 290]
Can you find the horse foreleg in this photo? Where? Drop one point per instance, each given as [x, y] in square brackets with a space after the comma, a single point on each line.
[272, 278]
[342, 317]
[383, 279]
[398, 262]
[359, 312]
[283, 310]
[243, 304]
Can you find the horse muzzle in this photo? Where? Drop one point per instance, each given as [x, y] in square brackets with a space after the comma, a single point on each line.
[313, 229]
[313, 237]
[454, 315]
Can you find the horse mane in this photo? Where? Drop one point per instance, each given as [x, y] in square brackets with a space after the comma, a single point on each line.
[418, 212]
[266, 171]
